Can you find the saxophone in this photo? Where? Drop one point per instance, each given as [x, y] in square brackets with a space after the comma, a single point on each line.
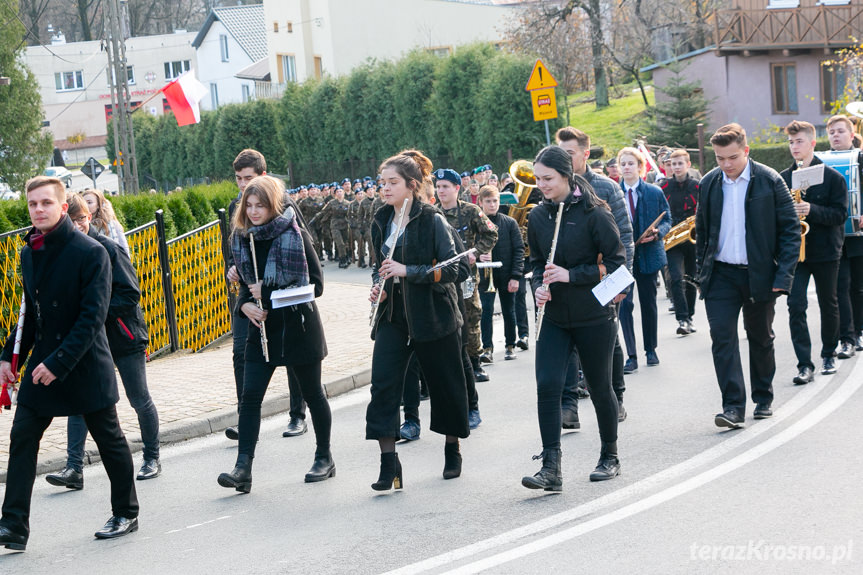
[804, 227]
[682, 232]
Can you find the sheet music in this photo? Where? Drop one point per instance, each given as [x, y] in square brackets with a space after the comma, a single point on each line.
[293, 296]
[612, 285]
[803, 178]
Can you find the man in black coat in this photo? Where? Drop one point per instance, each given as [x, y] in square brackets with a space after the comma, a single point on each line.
[748, 242]
[67, 286]
[825, 207]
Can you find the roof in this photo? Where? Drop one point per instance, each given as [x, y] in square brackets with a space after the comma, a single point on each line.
[244, 23]
[686, 56]
[259, 71]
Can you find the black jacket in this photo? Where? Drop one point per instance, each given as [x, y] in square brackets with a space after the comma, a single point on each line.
[772, 231]
[430, 302]
[67, 286]
[608, 190]
[232, 207]
[126, 328]
[828, 208]
[584, 234]
[509, 250]
[295, 334]
[682, 197]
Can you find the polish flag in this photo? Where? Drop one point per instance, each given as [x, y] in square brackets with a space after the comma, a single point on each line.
[183, 95]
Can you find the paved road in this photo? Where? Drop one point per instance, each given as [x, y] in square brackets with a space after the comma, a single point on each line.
[691, 499]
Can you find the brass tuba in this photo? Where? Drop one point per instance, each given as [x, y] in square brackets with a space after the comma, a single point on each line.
[684, 231]
[522, 175]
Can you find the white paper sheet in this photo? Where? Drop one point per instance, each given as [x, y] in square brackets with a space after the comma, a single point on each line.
[612, 285]
[292, 296]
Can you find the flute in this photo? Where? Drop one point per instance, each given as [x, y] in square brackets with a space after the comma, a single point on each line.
[541, 313]
[394, 237]
[260, 305]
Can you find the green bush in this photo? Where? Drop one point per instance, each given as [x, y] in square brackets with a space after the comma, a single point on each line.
[184, 219]
[17, 214]
[199, 206]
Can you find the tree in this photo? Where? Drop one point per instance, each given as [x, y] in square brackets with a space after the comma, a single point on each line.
[24, 148]
[675, 117]
[31, 12]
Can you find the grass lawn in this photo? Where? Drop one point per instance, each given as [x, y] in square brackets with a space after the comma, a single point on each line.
[612, 127]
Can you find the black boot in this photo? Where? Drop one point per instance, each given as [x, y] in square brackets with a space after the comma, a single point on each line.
[479, 373]
[323, 467]
[241, 477]
[549, 477]
[391, 473]
[609, 465]
[452, 461]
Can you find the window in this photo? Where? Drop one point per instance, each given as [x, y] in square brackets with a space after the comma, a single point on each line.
[214, 95]
[67, 81]
[223, 46]
[783, 3]
[174, 69]
[289, 26]
[319, 67]
[246, 93]
[784, 80]
[276, 27]
[287, 68]
[440, 51]
[832, 85]
[130, 75]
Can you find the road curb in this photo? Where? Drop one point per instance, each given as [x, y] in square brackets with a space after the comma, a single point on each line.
[209, 423]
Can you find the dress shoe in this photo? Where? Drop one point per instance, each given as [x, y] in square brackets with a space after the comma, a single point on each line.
[480, 375]
[232, 433]
[240, 478]
[683, 327]
[323, 468]
[569, 418]
[510, 352]
[549, 476]
[68, 478]
[117, 527]
[762, 411]
[729, 418]
[652, 358]
[631, 366]
[452, 460]
[523, 343]
[804, 376]
[621, 412]
[609, 464]
[390, 476]
[296, 427]
[828, 366]
[487, 355]
[846, 350]
[473, 418]
[410, 430]
[11, 540]
[149, 470]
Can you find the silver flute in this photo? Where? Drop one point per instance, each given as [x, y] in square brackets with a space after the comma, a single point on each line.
[260, 305]
[541, 313]
[394, 238]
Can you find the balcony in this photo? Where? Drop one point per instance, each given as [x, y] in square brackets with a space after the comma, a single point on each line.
[801, 28]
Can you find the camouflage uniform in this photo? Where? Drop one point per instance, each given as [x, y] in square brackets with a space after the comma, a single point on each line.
[311, 207]
[326, 234]
[356, 236]
[335, 213]
[367, 214]
[476, 231]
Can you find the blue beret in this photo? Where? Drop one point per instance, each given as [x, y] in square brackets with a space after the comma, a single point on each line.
[466, 174]
[348, 180]
[448, 175]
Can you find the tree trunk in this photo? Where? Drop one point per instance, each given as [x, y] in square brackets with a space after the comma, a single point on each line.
[82, 6]
[596, 42]
[641, 87]
[566, 105]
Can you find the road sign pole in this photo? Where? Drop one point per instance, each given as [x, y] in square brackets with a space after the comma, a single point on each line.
[92, 163]
[547, 136]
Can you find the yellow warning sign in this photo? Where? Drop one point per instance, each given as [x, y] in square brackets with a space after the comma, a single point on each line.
[544, 104]
[540, 78]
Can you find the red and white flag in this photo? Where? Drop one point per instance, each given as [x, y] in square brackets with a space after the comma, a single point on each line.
[183, 95]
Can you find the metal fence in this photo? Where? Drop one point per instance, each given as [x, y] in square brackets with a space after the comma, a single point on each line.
[184, 293]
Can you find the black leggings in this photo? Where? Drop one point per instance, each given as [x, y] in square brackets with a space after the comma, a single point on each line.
[594, 345]
[255, 383]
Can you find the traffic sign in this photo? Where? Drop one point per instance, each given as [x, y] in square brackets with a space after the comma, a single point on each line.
[544, 104]
[92, 169]
[540, 78]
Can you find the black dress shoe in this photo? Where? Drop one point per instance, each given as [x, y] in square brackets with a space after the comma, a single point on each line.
[68, 478]
[762, 411]
[683, 327]
[12, 540]
[323, 468]
[846, 350]
[296, 427]
[609, 464]
[232, 433]
[729, 418]
[117, 527]
[523, 343]
[652, 358]
[480, 375]
[149, 470]
[631, 366]
[828, 367]
[804, 376]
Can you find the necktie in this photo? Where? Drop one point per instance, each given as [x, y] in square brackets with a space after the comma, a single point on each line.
[631, 204]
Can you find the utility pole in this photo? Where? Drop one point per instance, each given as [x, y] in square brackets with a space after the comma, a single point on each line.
[124, 137]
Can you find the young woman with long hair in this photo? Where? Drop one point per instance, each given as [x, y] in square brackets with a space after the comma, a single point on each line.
[103, 217]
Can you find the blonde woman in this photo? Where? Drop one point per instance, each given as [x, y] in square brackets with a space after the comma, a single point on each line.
[104, 219]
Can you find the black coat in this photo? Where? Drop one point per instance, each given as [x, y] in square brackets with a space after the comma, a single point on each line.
[126, 328]
[430, 302]
[67, 286]
[584, 234]
[509, 250]
[828, 208]
[772, 231]
[295, 334]
[232, 208]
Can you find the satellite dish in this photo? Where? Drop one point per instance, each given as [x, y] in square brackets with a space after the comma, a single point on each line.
[855, 109]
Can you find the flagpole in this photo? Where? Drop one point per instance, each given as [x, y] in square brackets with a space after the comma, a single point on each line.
[149, 98]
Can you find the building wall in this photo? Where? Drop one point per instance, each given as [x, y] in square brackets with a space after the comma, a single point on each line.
[213, 71]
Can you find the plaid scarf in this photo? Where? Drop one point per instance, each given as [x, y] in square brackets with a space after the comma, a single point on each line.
[286, 264]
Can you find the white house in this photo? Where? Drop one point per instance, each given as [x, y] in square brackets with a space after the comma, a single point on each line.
[231, 39]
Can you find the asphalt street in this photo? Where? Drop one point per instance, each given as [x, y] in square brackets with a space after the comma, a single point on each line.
[780, 496]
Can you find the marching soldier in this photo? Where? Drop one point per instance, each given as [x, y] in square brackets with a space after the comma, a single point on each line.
[311, 207]
[336, 214]
[356, 225]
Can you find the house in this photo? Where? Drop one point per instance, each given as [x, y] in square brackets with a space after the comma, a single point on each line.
[767, 64]
[231, 39]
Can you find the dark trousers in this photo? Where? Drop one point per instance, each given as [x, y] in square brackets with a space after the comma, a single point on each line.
[27, 431]
[414, 382]
[257, 379]
[444, 374]
[681, 263]
[825, 275]
[646, 285]
[133, 374]
[241, 334]
[507, 307]
[850, 294]
[727, 295]
[521, 320]
[570, 391]
[553, 351]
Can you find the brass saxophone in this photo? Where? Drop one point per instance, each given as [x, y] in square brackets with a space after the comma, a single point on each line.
[804, 227]
[684, 231]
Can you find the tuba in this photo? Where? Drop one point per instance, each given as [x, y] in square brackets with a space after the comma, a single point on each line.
[522, 174]
[682, 232]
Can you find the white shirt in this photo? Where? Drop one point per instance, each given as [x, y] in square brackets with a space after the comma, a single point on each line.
[732, 230]
[626, 192]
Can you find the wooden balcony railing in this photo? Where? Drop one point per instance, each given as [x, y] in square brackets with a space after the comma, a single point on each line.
[802, 27]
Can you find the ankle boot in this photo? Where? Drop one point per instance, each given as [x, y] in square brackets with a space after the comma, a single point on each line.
[323, 467]
[452, 461]
[609, 464]
[241, 477]
[549, 477]
[391, 473]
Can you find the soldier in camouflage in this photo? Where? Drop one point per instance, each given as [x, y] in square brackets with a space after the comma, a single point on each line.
[335, 213]
[355, 225]
[311, 207]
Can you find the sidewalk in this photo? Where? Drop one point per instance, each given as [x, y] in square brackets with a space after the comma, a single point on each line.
[195, 394]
